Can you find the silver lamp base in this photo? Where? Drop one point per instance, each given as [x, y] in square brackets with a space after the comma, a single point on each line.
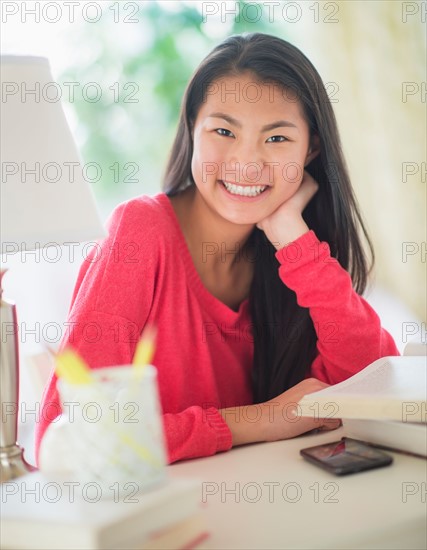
[13, 464]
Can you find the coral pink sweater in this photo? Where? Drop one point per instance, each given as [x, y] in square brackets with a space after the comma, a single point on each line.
[143, 272]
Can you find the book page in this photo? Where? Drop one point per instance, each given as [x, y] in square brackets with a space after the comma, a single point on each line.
[403, 378]
[392, 388]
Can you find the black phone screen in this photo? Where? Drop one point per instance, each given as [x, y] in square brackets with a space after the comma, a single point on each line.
[346, 456]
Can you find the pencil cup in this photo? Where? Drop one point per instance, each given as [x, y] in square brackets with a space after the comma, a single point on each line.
[114, 429]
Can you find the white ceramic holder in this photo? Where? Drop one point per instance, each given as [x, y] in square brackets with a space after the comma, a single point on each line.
[110, 431]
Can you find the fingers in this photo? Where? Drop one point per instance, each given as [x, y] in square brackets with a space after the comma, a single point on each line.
[330, 424]
[309, 187]
[304, 193]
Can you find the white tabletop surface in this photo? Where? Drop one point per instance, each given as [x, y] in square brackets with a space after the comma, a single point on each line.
[267, 496]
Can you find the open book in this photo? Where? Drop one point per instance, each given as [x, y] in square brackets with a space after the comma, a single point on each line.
[385, 404]
[391, 388]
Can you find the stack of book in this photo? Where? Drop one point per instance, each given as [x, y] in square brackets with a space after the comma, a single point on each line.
[40, 512]
[384, 404]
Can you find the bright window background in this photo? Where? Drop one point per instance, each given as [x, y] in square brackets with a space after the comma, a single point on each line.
[138, 57]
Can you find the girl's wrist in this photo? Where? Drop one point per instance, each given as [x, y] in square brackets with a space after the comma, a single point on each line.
[295, 228]
[246, 423]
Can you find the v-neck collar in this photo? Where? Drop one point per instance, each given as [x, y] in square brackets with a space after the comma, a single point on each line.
[217, 307]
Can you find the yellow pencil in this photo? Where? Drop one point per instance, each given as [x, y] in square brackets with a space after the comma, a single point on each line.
[71, 367]
[145, 348]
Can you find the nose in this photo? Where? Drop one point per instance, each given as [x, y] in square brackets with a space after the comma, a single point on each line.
[245, 163]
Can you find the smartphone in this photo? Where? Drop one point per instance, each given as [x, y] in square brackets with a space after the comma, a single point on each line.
[346, 456]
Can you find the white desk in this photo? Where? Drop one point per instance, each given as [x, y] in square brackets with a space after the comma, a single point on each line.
[371, 509]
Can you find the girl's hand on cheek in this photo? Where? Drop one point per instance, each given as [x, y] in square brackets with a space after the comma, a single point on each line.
[286, 223]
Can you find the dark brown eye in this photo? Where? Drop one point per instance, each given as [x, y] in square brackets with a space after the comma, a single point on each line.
[277, 139]
[221, 130]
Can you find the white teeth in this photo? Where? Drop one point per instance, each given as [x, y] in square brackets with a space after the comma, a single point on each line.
[247, 191]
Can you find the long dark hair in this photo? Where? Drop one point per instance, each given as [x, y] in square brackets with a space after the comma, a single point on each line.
[284, 335]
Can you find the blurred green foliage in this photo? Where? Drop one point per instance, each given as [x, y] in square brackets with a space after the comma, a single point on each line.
[142, 69]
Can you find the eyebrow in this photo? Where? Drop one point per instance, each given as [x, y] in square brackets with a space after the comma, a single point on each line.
[266, 128]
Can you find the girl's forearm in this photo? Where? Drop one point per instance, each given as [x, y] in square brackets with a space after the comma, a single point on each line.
[276, 419]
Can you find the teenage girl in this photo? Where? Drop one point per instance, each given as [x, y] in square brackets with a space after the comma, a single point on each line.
[250, 263]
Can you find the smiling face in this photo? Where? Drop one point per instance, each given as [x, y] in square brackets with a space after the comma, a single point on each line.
[251, 144]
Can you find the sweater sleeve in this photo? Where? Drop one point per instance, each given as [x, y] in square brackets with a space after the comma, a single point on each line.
[349, 332]
[196, 432]
[125, 263]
